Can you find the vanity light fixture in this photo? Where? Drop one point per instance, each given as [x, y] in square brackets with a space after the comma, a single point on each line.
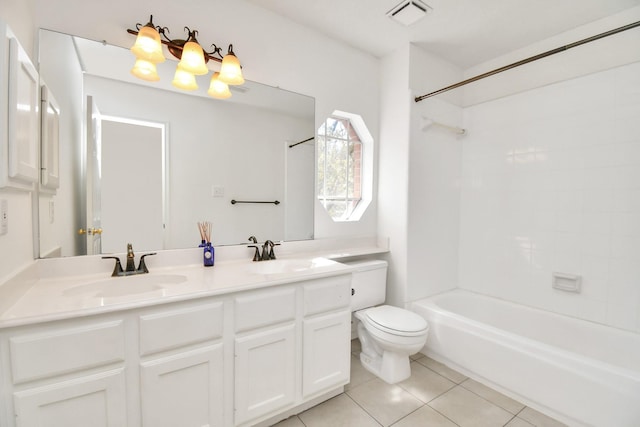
[193, 60]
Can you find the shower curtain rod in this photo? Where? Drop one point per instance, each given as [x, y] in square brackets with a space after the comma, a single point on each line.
[527, 60]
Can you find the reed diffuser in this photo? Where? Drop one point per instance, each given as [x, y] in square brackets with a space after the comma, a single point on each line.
[208, 255]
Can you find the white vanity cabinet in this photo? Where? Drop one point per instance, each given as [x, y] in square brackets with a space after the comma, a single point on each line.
[292, 345]
[265, 352]
[67, 374]
[182, 366]
[236, 359]
[326, 335]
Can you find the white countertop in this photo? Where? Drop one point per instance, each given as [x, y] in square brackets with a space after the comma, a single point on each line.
[48, 291]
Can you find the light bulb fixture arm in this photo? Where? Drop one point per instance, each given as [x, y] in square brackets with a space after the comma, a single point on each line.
[175, 46]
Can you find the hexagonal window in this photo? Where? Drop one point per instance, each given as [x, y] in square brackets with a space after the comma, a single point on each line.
[345, 165]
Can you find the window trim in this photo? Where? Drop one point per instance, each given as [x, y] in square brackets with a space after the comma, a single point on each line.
[366, 167]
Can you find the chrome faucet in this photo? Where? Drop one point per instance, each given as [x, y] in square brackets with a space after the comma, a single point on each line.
[131, 269]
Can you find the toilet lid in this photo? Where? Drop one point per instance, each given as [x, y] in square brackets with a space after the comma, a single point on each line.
[394, 319]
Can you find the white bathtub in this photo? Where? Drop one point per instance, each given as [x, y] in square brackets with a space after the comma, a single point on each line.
[582, 373]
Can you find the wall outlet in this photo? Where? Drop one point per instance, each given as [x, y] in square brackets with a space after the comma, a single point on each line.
[4, 217]
[218, 191]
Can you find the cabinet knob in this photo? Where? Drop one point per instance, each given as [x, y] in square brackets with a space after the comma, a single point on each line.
[353, 292]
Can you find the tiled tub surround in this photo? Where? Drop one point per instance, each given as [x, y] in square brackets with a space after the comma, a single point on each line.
[551, 183]
[578, 371]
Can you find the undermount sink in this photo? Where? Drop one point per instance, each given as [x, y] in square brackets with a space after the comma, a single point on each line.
[127, 285]
[281, 266]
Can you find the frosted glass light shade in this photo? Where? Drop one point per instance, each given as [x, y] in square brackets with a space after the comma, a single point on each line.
[230, 71]
[145, 70]
[217, 88]
[192, 59]
[148, 45]
[184, 80]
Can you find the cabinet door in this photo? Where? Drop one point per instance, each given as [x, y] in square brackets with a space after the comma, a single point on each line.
[326, 352]
[265, 372]
[49, 140]
[184, 390]
[95, 400]
[24, 113]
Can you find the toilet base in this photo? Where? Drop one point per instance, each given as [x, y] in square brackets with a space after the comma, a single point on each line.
[390, 367]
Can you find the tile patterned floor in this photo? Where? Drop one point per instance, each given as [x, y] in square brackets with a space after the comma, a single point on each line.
[434, 396]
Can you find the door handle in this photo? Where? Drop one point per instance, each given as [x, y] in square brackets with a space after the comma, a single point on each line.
[90, 231]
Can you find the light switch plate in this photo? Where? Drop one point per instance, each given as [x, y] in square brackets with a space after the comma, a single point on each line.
[218, 191]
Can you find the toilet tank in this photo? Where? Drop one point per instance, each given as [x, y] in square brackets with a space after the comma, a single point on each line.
[368, 284]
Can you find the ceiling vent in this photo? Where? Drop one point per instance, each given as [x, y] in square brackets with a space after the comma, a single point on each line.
[409, 12]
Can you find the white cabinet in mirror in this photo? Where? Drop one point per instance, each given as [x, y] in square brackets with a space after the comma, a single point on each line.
[50, 141]
[214, 151]
[19, 98]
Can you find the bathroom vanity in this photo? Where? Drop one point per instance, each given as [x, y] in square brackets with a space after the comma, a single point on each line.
[235, 345]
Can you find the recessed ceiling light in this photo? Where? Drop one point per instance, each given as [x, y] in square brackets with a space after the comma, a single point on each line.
[409, 12]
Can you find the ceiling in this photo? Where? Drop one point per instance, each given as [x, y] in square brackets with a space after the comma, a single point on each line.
[464, 32]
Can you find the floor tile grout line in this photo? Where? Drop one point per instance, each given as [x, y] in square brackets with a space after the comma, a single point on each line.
[365, 411]
[444, 414]
[402, 418]
[426, 403]
[511, 419]
[489, 401]
[443, 376]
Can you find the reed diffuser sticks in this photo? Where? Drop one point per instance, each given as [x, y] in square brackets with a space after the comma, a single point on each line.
[205, 231]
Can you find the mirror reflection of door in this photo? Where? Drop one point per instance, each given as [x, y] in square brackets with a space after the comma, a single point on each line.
[132, 185]
[92, 181]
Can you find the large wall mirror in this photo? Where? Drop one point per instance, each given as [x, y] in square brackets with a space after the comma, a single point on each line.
[144, 162]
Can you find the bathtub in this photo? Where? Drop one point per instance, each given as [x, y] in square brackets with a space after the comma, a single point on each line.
[579, 372]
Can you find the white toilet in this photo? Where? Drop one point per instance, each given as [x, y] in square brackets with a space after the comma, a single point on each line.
[388, 335]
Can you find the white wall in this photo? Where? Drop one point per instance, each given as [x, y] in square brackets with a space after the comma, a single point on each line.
[393, 181]
[434, 179]
[419, 190]
[552, 184]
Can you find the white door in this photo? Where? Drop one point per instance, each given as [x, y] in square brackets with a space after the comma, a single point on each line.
[184, 390]
[132, 187]
[326, 352]
[93, 227]
[265, 372]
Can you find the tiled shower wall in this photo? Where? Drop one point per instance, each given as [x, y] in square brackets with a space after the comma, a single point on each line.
[551, 183]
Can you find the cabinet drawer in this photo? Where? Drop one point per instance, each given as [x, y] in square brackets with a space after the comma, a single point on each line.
[327, 294]
[177, 328]
[264, 308]
[63, 350]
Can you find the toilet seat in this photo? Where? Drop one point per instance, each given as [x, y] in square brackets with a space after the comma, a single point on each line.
[395, 321]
